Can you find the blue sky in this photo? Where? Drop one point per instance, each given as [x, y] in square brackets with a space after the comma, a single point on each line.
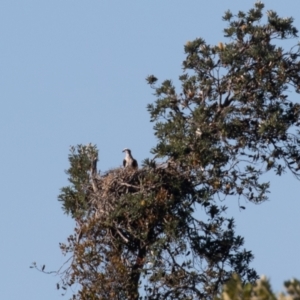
[73, 72]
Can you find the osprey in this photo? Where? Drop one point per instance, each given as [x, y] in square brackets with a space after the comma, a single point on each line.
[129, 161]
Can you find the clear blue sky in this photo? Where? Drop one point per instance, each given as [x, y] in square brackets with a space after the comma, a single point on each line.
[74, 72]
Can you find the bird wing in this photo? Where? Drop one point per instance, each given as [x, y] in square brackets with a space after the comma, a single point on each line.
[134, 163]
[124, 162]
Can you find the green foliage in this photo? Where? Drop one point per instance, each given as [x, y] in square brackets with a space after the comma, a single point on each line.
[233, 120]
[234, 289]
[137, 234]
[82, 162]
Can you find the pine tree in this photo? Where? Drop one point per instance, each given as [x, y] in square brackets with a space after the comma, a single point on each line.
[140, 234]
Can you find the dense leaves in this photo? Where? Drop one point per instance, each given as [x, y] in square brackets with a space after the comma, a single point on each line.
[75, 198]
[139, 237]
[234, 120]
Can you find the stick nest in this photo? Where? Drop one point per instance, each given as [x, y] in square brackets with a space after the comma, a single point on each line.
[131, 189]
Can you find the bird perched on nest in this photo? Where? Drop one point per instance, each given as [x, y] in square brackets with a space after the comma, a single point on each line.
[129, 161]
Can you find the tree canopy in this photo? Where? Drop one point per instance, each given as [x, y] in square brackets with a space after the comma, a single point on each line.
[233, 119]
[159, 232]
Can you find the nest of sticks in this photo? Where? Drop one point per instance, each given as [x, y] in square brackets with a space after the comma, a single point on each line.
[130, 194]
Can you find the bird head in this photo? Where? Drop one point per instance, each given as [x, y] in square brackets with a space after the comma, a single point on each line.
[127, 150]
